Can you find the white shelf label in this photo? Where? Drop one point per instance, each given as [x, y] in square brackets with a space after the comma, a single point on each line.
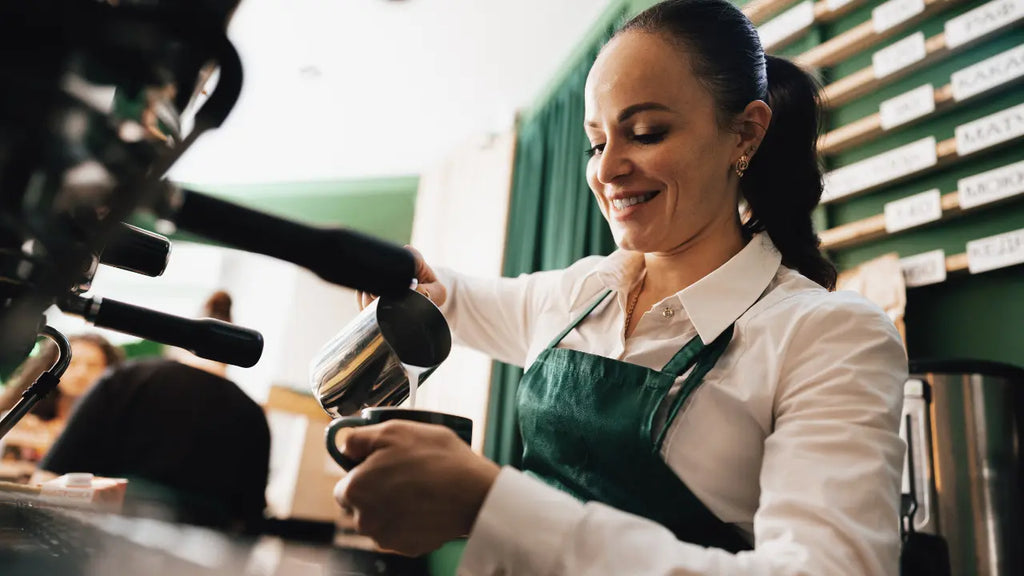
[834, 5]
[987, 74]
[907, 106]
[894, 13]
[991, 186]
[884, 167]
[786, 24]
[993, 129]
[913, 211]
[899, 55]
[994, 252]
[982, 20]
[924, 269]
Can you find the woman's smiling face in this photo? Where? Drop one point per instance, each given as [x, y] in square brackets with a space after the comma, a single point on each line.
[660, 165]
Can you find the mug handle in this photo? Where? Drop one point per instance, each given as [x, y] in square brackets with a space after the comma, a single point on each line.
[332, 433]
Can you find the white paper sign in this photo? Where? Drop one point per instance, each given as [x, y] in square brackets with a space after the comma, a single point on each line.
[913, 211]
[899, 55]
[982, 20]
[786, 24]
[994, 252]
[884, 167]
[991, 186]
[907, 106]
[895, 12]
[987, 74]
[993, 129]
[834, 5]
[924, 269]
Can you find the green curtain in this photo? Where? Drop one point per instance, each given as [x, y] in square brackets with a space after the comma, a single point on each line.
[553, 221]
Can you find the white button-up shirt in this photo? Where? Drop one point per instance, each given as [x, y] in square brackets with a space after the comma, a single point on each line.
[793, 436]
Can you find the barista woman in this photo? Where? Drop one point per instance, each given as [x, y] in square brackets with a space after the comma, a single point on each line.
[698, 402]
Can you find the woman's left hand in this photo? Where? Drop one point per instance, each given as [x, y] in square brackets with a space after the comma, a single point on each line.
[417, 485]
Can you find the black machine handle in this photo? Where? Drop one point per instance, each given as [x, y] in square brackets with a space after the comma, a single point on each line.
[205, 337]
[337, 255]
[136, 250]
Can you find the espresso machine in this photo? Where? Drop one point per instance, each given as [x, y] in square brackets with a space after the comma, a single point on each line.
[101, 98]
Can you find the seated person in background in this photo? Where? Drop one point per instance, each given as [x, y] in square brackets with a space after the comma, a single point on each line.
[91, 355]
[194, 447]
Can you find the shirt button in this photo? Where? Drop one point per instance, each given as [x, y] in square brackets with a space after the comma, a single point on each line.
[668, 312]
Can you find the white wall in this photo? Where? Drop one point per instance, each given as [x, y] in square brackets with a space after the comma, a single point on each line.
[352, 88]
[461, 214]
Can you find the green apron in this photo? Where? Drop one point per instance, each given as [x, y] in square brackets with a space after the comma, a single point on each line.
[586, 423]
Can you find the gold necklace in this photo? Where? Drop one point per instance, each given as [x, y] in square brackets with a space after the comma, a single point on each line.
[636, 298]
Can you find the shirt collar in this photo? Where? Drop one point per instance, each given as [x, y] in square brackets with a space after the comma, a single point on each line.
[715, 301]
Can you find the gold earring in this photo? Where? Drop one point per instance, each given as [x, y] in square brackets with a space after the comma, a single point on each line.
[741, 165]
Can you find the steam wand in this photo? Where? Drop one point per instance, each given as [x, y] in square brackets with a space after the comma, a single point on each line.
[43, 385]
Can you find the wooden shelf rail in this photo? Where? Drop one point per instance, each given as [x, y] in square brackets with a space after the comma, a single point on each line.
[822, 12]
[864, 36]
[957, 262]
[759, 11]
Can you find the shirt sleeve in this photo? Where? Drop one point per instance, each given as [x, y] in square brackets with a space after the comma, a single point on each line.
[829, 479]
[496, 316]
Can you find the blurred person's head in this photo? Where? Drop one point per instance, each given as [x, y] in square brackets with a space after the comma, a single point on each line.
[91, 355]
[218, 306]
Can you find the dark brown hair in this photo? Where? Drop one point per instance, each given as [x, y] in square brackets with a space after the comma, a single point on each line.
[218, 306]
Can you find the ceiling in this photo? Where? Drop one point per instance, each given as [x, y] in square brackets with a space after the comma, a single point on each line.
[343, 89]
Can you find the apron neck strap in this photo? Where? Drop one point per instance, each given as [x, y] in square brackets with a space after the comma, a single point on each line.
[702, 360]
[570, 327]
[684, 358]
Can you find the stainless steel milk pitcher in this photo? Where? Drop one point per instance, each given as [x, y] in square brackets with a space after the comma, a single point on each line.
[362, 366]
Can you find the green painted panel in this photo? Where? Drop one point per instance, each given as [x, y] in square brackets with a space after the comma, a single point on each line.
[969, 317]
[143, 349]
[381, 207]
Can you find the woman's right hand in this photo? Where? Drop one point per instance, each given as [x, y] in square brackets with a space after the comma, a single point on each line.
[427, 283]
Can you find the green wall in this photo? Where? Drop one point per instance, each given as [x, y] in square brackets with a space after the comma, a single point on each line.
[382, 207]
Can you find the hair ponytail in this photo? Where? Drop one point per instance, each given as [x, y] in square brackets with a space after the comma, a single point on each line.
[782, 185]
